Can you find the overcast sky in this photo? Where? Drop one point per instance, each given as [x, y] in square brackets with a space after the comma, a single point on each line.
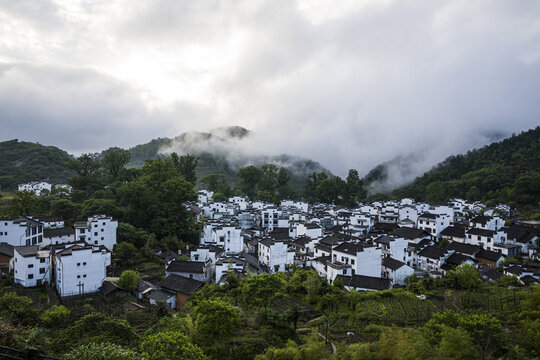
[348, 83]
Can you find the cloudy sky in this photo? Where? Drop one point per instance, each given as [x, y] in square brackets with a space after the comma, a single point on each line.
[347, 83]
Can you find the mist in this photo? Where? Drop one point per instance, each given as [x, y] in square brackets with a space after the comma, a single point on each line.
[349, 84]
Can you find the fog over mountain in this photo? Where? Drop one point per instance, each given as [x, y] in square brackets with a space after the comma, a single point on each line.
[350, 84]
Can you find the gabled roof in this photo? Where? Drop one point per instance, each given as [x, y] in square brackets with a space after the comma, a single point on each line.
[159, 295]
[181, 284]
[65, 231]
[428, 215]
[144, 286]
[186, 266]
[488, 255]
[384, 239]
[365, 282]
[490, 273]
[481, 219]
[6, 249]
[481, 232]
[392, 263]
[410, 233]
[457, 259]
[454, 231]
[349, 248]
[432, 252]
[468, 249]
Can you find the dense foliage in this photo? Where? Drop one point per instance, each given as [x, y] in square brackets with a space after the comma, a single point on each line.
[506, 171]
[22, 162]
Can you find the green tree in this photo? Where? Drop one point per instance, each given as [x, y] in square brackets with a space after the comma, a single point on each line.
[114, 161]
[456, 344]
[249, 177]
[465, 276]
[126, 252]
[56, 317]
[18, 309]
[102, 351]
[170, 345]
[215, 319]
[354, 189]
[186, 165]
[87, 168]
[311, 187]
[24, 203]
[261, 290]
[128, 280]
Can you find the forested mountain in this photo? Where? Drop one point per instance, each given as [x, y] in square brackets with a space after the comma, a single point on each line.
[216, 150]
[22, 162]
[218, 153]
[506, 171]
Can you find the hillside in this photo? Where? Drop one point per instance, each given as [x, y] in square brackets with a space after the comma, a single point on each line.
[219, 153]
[506, 171]
[22, 162]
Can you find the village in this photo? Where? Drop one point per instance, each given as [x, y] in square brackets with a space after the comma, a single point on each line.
[375, 246]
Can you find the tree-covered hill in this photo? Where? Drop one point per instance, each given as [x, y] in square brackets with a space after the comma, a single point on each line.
[22, 162]
[506, 171]
[218, 153]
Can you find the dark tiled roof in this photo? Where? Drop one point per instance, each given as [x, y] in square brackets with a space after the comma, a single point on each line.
[410, 233]
[384, 239]
[432, 252]
[392, 263]
[481, 219]
[454, 231]
[186, 267]
[488, 255]
[491, 274]
[349, 248]
[181, 284]
[457, 259]
[365, 282]
[65, 231]
[108, 287]
[143, 286]
[481, 232]
[468, 249]
[159, 295]
[26, 251]
[428, 215]
[6, 249]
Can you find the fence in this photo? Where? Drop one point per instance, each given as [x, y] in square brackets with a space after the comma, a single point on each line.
[16, 354]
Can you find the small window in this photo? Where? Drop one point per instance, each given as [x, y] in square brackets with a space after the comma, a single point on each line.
[102, 230]
[42, 270]
[42, 260]
[104, 223]
[78, 264]
[95, 233]
[95, 242]
[78, 276]
[30, 276]
[30, 266]
[84, 275]
[84, 263]
[102, 238]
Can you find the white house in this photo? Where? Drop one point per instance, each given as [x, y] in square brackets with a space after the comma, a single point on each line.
[433, 223]
[395, 270]
[270, 217]
[275, 255]
[487, 222]
[58, 236]
[310, 230]
[31, 266]
[198, 270]
[98, 230]
[36, 186]
[392, 246]
[364, 259]
[51, 222]
[80, 269]
[21, 231]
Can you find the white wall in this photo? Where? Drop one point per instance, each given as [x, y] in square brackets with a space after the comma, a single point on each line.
[85, 267]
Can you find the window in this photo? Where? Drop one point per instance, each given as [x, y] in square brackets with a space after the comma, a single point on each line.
[84, 275]
[30, 276]
[102, 230]
[30, 266]
[42, 260]
[104, 223]
[84, 263]
[95, 233]
[102, 238]
[78, 264]
[42, 270]
[95, 242]
[95, 225]
[78, 276]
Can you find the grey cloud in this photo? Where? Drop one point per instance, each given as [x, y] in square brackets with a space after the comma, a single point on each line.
[389, 78]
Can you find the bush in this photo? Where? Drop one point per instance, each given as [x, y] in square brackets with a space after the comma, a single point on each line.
[55, 317]
[170, 345]
[103, 351]
[128, 280]
[18, 309]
